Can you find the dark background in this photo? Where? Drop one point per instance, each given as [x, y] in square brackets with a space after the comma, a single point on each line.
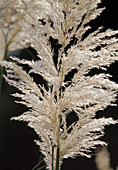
[18, 150]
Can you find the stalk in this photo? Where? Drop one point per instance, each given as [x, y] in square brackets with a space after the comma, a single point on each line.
[57, 159]
[2, 69]
[53, 146]
[58, 145]
[58, 137]
[7, 43]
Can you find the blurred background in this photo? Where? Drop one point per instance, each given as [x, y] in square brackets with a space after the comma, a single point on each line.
[18, 150]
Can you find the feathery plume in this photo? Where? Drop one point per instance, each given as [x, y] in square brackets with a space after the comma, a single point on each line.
[66, 23]
[102, 159]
